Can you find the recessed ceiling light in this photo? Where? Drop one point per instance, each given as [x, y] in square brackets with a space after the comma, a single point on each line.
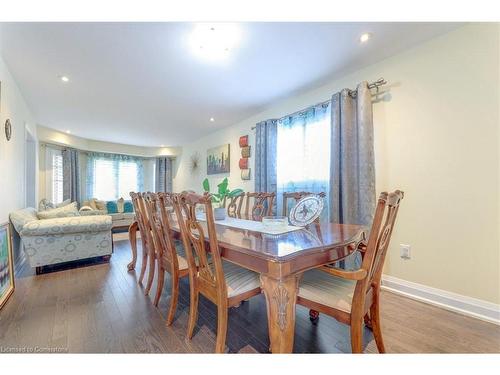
[64, 79]
[365, 37]
[68, 131]
[212, 119]
[162, 145]
[214, 41]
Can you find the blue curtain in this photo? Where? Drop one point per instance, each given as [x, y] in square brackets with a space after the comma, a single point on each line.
[352, 162]
[163, 182]
[265, 157]
[304, 153]
[71, 174]
[111, 176]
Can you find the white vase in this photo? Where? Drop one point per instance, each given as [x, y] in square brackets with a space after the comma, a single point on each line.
[219, 213]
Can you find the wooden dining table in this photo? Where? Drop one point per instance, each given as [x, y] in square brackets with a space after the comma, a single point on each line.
[281, 260]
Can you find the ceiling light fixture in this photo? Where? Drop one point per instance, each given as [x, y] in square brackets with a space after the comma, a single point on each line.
[64, 79]
[212, 119]
[214, 41]
[68, 131]
[365, 37]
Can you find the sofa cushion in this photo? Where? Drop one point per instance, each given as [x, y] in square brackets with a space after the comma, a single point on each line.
[100, 205]
[20, 217]
[92, 212]
[128, 206]
[69, 210]
[119, 205]
[45, 204]
[112, 207]
[64, 225]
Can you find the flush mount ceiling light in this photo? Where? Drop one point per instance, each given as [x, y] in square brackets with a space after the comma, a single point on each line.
[365, 37]
[212, 119]
[68, 131]
[64, 79]
[214, 41]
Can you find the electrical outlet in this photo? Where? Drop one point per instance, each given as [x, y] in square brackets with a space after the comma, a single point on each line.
[404, 251]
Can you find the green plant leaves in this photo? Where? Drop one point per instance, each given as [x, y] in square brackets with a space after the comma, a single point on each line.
[206, 185]
[235, 192]
[223, 187]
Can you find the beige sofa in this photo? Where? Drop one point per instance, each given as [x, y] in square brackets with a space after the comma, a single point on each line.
[62, 239]
[120, 220]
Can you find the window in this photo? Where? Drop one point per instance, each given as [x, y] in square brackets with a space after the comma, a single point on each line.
[303, 153]
[111, 177]
[54, 175]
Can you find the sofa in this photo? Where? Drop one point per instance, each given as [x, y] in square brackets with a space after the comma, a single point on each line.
[121, 211]
[48, 241]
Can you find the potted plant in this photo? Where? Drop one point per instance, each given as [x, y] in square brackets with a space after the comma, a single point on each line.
[218, 198]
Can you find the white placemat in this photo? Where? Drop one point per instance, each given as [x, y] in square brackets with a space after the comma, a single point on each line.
[255, 226]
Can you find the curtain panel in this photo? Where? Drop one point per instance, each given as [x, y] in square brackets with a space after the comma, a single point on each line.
[163, 181]
[352, 161]
[71, 174]
[265, 157]
[111, 176]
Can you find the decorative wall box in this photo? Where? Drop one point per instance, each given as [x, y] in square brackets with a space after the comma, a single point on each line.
[245, 152]
[245, 174]
[243, 163]
[244, 141]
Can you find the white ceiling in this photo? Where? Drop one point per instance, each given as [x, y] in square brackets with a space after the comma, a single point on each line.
[140, 83]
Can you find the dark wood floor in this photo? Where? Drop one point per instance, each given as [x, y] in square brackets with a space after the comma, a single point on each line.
[101, 308]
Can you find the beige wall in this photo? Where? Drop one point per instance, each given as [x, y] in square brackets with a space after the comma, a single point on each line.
[437, 138]
[12, 153]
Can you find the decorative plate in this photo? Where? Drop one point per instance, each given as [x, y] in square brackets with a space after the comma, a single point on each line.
[306, 210]
[8, 130]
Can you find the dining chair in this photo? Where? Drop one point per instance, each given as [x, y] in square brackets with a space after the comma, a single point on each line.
[234, 205]
[141, 224]
[222, 282]
[170, 253]
[152, 246]
[352, 297]
[262, 205]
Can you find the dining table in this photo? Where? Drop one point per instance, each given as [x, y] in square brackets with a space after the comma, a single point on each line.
[281, 259]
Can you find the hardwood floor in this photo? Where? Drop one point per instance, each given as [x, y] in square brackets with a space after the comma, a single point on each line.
[101, 308]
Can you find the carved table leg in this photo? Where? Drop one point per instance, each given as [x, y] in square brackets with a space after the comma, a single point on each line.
[132, 236]
[281, 296]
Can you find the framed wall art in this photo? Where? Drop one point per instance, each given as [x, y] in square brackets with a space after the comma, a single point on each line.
[218, 159]
[6, 265]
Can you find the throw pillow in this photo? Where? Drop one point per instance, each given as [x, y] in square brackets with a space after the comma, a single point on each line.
[45, 205]
[63, 203]
[69, 210]
[119, 204]
[112, 207]
[86, 208]
[128, 206]
[100, 205]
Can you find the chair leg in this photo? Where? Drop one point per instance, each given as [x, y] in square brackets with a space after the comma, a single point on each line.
[151, 273]
[193, 312]
[173, 300]
[221, 328]
[160, 281]
[144, 263]
[357, 336]
[377, 330]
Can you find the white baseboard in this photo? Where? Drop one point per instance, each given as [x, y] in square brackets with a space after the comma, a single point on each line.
[473, 307]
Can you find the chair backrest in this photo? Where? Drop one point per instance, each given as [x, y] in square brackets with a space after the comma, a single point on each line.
[262, 205]
[148, 221]
[380, 236]
[296, 195]
[139, 216]
[209, 276]
[161, 228]
[234, 205]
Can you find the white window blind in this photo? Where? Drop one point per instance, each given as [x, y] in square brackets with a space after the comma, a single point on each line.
[54, 175]
[112, 177]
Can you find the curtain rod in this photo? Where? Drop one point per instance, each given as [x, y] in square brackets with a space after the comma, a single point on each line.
[373, 85]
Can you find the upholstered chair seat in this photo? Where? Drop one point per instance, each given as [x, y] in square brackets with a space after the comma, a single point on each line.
[328, 290]
[239, 280]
